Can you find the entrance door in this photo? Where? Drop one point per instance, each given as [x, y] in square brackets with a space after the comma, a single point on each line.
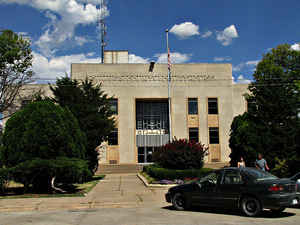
[145, 154]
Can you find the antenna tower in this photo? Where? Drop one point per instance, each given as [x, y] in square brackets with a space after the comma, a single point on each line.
[103, 7]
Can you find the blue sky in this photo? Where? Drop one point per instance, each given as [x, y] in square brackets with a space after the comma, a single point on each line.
[201, 31]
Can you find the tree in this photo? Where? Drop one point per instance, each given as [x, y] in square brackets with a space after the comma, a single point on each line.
[91, 106]
[15, 67]
[276, 96]
[42, 142]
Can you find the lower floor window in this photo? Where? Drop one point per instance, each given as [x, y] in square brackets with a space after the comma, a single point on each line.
[194, 134]
[214, 135]
[113, 137]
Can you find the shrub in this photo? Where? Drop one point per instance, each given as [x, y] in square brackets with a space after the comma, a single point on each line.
[160, 173]
[41, 141]
[4, 179]
[181, 154]
[40, 172]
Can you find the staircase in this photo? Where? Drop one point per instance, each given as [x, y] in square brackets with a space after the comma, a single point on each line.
[119, 168]
[216, 165]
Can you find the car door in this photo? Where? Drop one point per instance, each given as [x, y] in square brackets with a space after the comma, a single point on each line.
[205, 194]
[230, 187]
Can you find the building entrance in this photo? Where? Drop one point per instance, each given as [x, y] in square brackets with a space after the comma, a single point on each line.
[152, 127]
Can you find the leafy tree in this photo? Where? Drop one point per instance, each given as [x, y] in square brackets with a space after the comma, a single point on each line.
[42, 142]
[273, 119]
[91, 106]
[15, 67]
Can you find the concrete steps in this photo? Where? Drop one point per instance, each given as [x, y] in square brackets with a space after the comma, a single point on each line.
[119, 168]
[216, 165]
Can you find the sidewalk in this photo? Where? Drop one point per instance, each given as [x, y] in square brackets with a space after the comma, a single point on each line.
[114, 191]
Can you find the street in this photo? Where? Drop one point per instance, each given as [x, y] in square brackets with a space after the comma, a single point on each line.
[145, 216]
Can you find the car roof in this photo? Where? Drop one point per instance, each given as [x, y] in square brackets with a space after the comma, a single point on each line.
[238, 168]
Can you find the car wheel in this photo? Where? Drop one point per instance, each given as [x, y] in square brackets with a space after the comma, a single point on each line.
[278, 210]
[179, 202]
[250, 206]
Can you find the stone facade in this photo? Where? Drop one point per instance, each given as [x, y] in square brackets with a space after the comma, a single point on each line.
[129, 83]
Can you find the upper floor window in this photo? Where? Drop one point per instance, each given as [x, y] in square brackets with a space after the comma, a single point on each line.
[213, 106]
[193, 106]
[114, 105]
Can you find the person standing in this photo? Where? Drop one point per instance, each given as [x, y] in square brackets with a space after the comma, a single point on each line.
[241, 163]
[261, 163]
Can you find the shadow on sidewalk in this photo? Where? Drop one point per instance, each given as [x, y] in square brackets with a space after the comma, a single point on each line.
[265, 214]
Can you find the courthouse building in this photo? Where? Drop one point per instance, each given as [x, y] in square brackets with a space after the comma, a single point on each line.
[204, 100]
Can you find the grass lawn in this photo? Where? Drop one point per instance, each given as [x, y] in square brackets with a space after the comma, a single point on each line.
[16, 190]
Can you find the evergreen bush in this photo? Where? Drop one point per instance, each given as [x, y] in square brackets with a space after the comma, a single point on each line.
[42, 141]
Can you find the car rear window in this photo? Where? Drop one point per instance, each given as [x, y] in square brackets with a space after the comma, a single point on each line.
[258, 174]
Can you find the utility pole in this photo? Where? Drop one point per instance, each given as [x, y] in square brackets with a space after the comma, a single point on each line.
[169, 88]
[103, 6]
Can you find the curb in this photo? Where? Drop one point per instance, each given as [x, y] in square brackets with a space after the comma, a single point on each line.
[67, 206]
[163, 186]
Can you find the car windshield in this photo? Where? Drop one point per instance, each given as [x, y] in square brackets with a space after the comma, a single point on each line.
[259, 174]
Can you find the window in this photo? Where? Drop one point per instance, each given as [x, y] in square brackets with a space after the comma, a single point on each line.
[210, 180]
[212, 106]
[214, 135]
[113, 137]
[194, 134]
[193, 106]
[232, 177]
[114, 105]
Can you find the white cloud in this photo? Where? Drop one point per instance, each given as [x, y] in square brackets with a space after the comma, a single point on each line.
[81, 40]
[233, 80]
[296, 47]
[249, 64]
[58, 66]
[222, 59]
[185, 30]
[226, 36]
[238, 67]
[206, 34]
[176, 57]
[64, 16]
[252, 63]
[242, 80]
[137, 59]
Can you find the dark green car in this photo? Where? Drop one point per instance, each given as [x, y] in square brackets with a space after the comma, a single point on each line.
[248, 189]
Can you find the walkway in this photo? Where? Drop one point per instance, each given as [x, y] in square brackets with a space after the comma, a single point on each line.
[115, 190]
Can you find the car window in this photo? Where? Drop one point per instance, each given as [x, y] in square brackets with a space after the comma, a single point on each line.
[211, 177]
[232, 177]
[258, 174]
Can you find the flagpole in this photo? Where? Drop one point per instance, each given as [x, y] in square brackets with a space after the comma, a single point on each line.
[169, 90]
